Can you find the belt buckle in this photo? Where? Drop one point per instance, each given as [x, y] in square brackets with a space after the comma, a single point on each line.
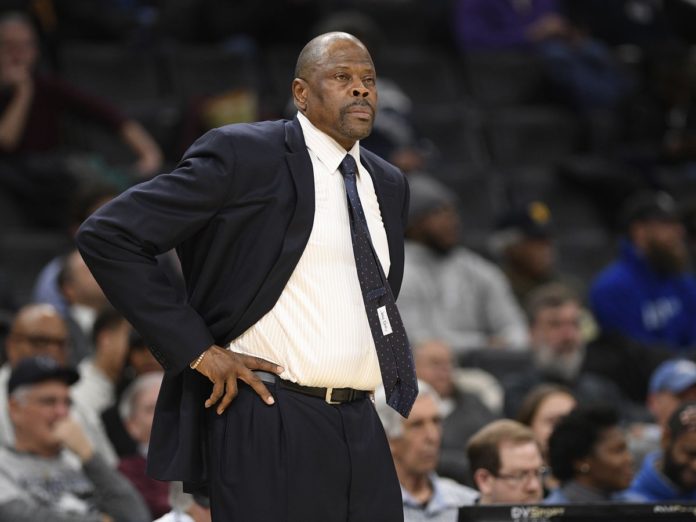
[327, 397]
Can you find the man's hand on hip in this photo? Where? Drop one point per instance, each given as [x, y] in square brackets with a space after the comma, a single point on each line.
[224, 367]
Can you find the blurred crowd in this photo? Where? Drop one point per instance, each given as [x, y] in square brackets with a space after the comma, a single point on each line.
[548, 293]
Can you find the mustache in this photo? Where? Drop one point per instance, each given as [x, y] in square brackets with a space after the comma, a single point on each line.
[360, 103]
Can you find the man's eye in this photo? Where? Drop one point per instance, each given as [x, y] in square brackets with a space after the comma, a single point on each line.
[342, 76]
[369, 81]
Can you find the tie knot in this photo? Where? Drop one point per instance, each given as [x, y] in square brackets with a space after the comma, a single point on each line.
[348, 167]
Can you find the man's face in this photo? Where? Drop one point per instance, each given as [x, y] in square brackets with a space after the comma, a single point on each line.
[611, 462]
[35, 414]
[533, 257]
[139, 425]
[663, 244]
[18, 47]
[557, 339]
[518, 480]
[38, 334]
[339, 96]
[680, 461]
[664, 402]
[81, 287]
[434, 365]
[417, 450]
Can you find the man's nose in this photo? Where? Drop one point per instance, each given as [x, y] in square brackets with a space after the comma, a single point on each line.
[360, 90]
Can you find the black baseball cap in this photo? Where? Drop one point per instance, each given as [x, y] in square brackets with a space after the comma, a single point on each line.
[649, 206]
[33, 370]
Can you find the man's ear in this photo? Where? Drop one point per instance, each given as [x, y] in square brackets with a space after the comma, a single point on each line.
[299, 94]
[483, 480]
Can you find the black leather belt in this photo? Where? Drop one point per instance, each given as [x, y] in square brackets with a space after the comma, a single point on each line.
[330, 395]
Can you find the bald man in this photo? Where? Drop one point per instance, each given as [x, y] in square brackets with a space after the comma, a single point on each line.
[270, 362]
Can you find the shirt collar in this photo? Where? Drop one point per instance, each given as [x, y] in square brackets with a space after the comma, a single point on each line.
[438, 501]
[326, 149]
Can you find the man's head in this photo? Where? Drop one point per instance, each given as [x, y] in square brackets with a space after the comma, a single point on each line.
[414, 442]
[140, 358]
[522, 240]
[18, 46]
[137, 406]
[671, 383]
[555, 315]
[653, 226]
[78, 284]
[37, 329]
[39, 397]
[335, 87]
[588, 446]
[433, 359]
[433, 219]
[679, 447]
[506, 463]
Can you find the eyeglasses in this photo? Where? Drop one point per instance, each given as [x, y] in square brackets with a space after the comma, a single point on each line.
[42, 342]
[523, 477]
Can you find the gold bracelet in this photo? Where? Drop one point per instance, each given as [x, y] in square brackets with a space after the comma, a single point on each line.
[195, 363]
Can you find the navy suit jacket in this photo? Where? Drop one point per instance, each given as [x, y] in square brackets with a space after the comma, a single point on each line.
[239, 209]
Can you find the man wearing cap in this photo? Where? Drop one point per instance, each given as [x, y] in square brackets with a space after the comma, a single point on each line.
[647, 295]
[52, 472]
[523, 242]
[449, 292]
[668, 474]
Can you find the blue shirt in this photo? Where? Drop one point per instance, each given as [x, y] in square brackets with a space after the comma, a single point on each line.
[443, 506]
[651, 485]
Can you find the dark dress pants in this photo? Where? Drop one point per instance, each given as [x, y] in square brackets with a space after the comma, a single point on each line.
[300, 460]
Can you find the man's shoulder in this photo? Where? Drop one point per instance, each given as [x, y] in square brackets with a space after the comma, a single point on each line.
[391, 171]
[254, 130]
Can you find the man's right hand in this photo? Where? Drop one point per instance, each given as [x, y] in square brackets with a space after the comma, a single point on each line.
[224, 367]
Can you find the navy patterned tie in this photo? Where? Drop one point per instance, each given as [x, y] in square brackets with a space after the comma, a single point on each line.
[393, 350]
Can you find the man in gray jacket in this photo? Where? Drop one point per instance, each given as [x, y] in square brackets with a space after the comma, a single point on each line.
[53, 473]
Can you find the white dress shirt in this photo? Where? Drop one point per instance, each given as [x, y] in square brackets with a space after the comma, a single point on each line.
[318, 329]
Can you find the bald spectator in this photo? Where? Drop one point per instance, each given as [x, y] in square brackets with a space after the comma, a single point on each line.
[449, 292]
[415, 447]
[52, 471]
[40, 330]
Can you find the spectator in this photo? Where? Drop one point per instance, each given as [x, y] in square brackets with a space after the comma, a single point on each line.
[589, 455]
[139, 362]
[672, 383]
[464, 412]
[558, 350]
[647, 295]
[137, 409]
[39, 479]
[415, 446]
[84, 299]
[541, 410]
[449, 292]
[40, 330]
[32, 110]
[506, 464]
[667, 475]
[523, 244]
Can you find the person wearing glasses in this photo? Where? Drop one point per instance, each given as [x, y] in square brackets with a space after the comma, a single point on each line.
[415, 447]
[39, 330]
[506, 464]
[589, 456]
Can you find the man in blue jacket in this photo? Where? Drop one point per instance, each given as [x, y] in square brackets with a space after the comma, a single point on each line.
[647, 295]
[670, 474]
[276, 317]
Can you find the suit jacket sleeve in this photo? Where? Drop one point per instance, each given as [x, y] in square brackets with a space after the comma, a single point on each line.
[120, 241]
